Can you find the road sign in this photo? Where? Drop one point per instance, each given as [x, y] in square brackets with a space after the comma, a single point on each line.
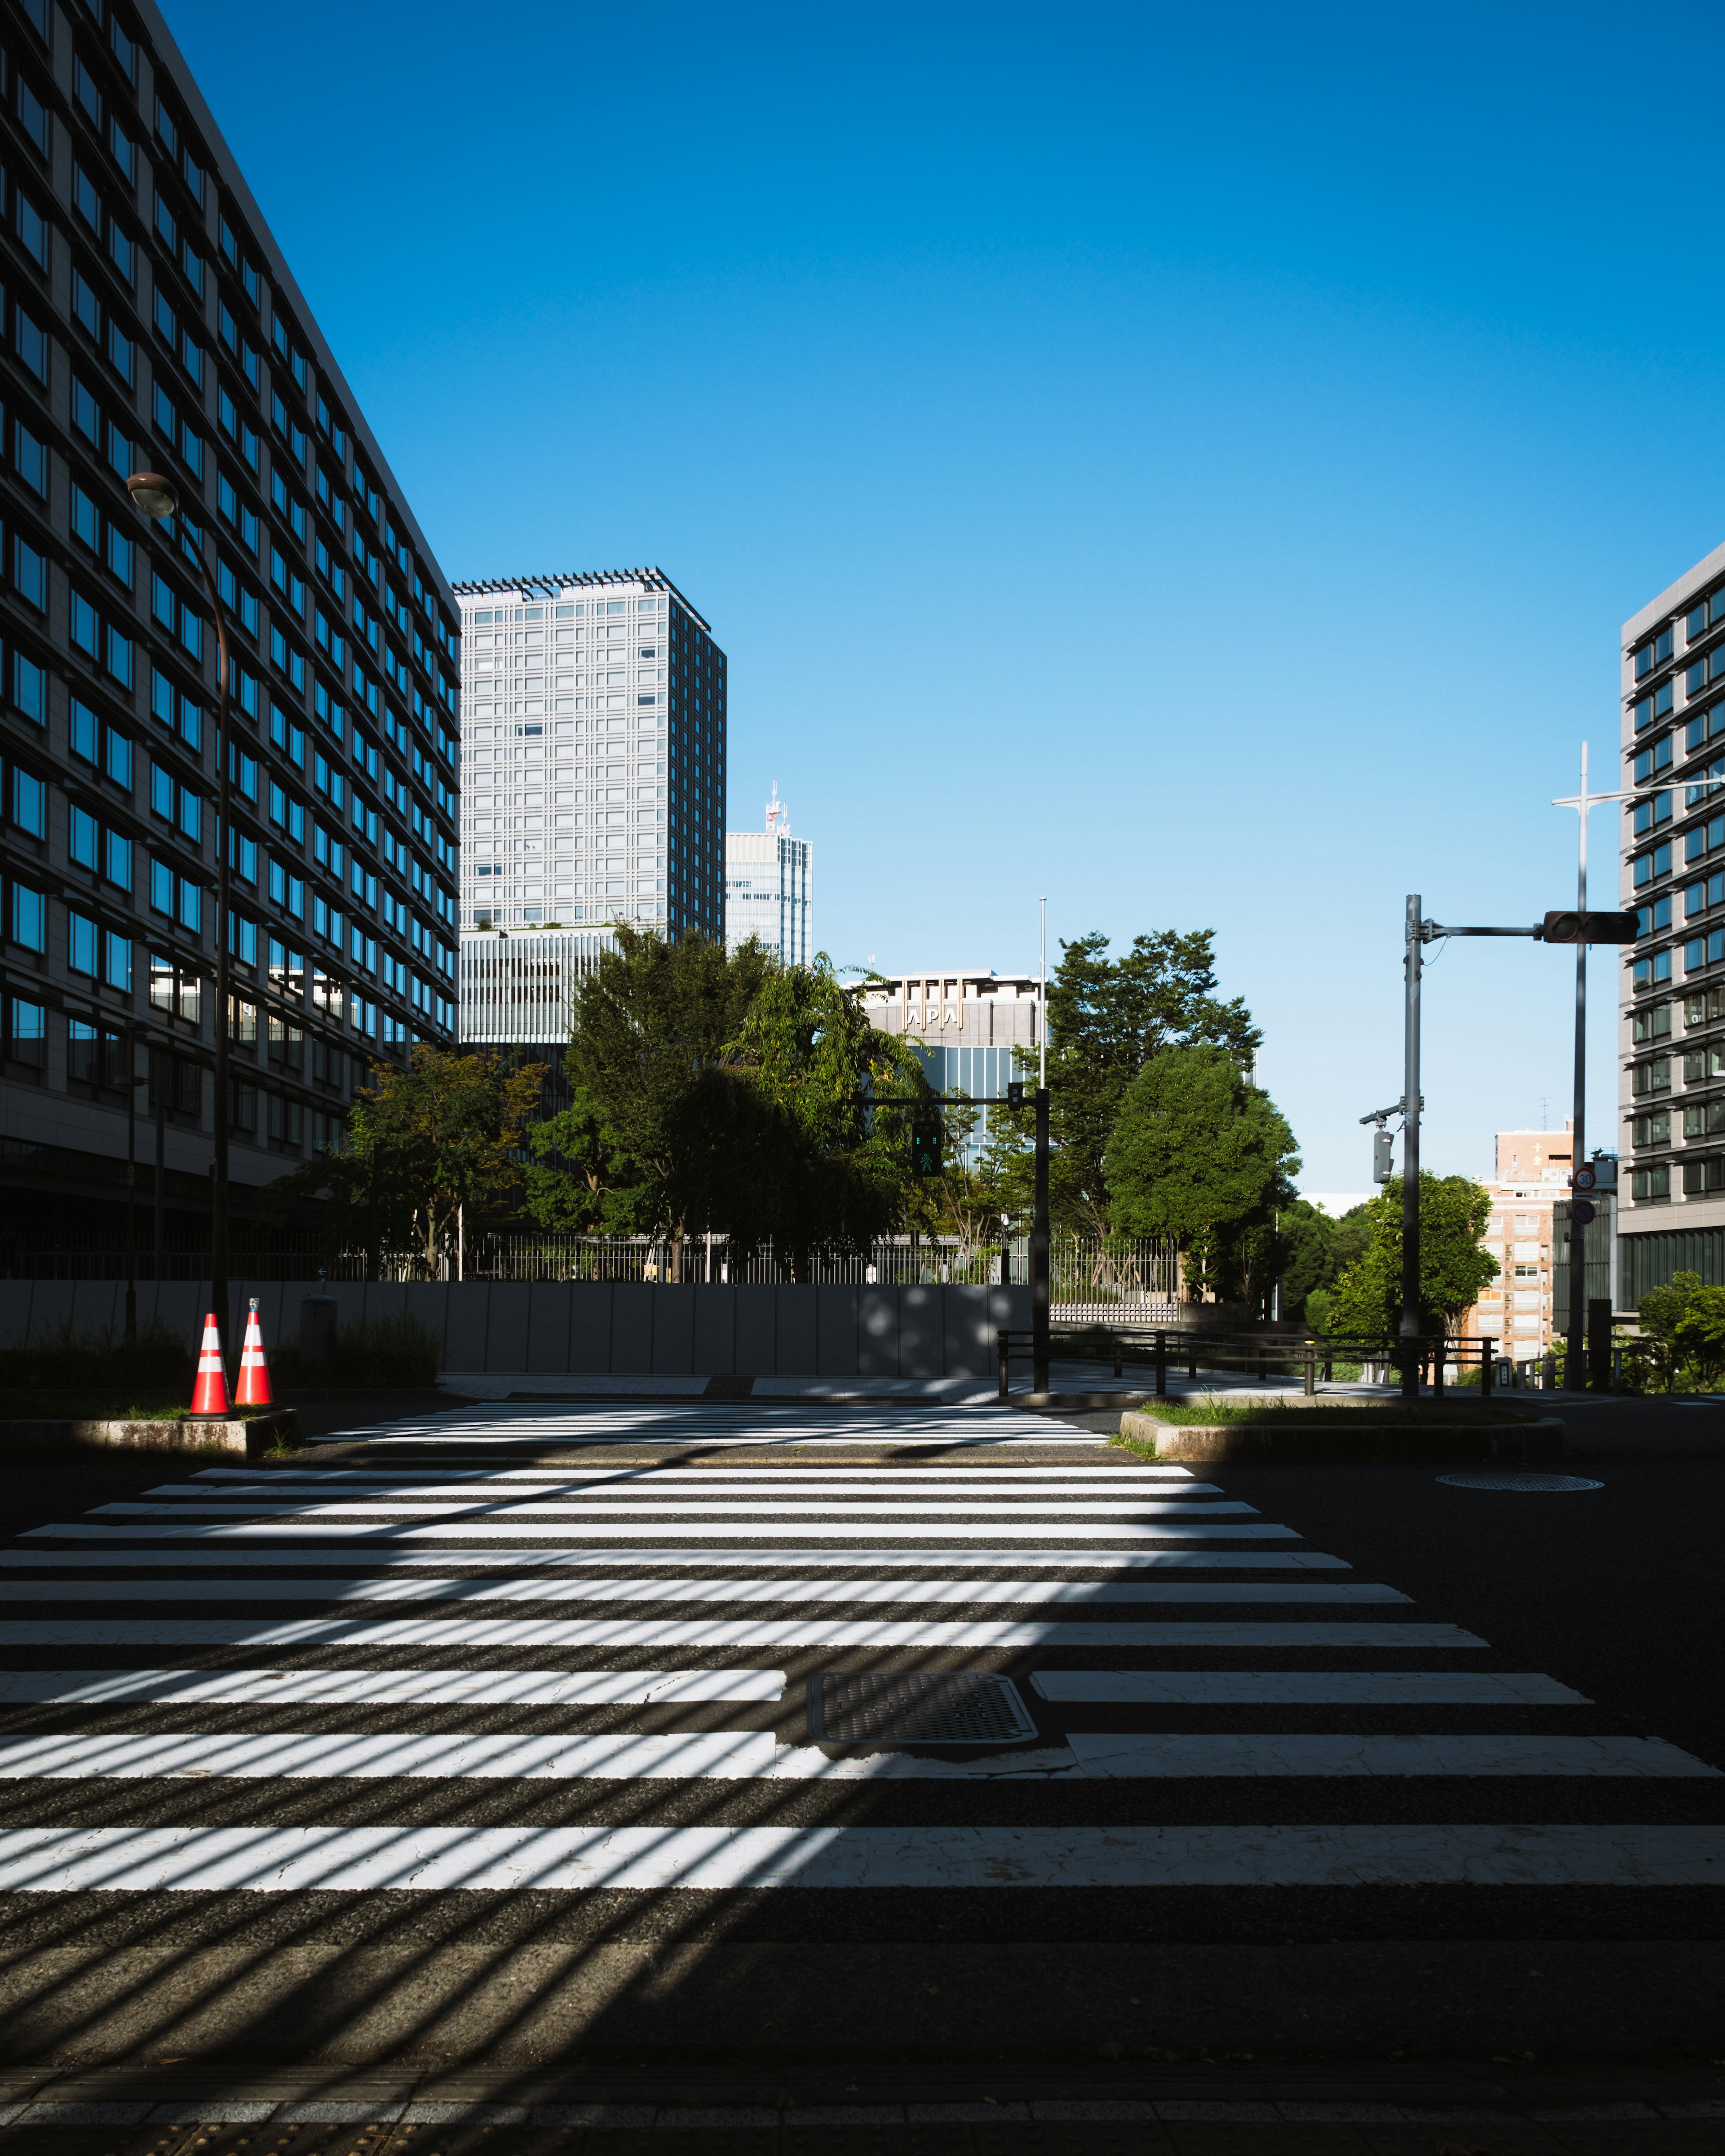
[1582, 1213]
[1584, 1178]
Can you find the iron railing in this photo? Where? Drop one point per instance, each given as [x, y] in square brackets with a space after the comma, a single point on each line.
[1308, 1356]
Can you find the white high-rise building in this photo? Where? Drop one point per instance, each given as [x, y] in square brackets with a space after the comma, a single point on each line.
[593, 750]
[769, 887]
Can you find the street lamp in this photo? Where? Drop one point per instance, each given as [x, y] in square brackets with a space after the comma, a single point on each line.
[157, 497]
[1575, 1373]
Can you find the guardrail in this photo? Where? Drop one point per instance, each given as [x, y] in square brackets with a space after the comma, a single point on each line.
[1309, 1356]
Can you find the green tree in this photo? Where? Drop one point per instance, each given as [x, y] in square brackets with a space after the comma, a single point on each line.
[580, 1180]
[651, 1022]
[826, 1169]
[1307, 1235]
[1107, 1018]
[1453, 1266]
[1683, 1326]
[422, 1145]
[1200, 1155]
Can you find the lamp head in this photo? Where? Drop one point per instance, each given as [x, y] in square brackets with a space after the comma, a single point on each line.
[153, 493]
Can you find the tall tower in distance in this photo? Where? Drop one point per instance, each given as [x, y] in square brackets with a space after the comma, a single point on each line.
[769, 887]
[593, 736]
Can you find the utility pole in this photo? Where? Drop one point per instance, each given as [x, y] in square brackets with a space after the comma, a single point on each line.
[1039, 1224]
[1575, 1355]
[1408, 1329]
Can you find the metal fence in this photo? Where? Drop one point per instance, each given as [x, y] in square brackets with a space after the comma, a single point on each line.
[1136, 1279]
[1125, 1281]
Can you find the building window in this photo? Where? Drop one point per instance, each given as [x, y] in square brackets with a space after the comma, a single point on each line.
[26, 1033]
[1648, 1185]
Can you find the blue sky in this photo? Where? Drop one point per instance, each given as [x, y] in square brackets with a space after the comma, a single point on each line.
[1191, 463]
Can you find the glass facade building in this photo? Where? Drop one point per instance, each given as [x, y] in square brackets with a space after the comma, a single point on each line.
[769, 879]
[1671, 1042]
[150, 323]
[594, 754]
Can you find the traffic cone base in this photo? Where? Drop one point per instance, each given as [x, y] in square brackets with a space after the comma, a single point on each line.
[209, 1395]
[254, 1390]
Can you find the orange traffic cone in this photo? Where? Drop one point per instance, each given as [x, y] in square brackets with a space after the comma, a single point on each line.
[254, 1371]
[209, 1395]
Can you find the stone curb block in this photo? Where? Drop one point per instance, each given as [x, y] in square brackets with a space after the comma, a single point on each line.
[1540, 1440]
[247, 1437]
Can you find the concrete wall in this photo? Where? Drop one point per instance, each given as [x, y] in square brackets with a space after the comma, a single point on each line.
[630, 1325]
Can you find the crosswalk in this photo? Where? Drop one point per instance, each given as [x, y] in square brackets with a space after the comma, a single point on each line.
[173, 1664]
[834, 1425]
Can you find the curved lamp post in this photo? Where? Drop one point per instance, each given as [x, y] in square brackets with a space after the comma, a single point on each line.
[157, 497]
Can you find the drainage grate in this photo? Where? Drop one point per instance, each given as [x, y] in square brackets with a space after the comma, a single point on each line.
[1508, 1478]
[917, 1707]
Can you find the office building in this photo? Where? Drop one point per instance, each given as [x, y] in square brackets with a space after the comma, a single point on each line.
[1671, 1102]
[594, 749]
[153, 325]
[520, 989]
[1519, 1309]
[769, 887]
[966, 1027]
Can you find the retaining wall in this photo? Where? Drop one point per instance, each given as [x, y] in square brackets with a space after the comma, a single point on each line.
[624, 1325]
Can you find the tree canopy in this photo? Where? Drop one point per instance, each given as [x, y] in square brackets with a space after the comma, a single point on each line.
[1454, 1265]
[1107, 1018]
[1200, 1155]
[421, 1144]
[1683, 1332]
[582, 1181]
[720, 1093]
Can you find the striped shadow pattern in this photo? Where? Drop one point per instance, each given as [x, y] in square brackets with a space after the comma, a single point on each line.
[624, 1713]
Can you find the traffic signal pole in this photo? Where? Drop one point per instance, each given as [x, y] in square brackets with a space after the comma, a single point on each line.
[1580, 928]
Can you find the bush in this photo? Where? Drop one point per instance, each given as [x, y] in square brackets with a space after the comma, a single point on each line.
[97, 1361]
[379, 1351]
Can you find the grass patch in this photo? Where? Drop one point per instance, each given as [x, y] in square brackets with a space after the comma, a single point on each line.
[1219, 1410]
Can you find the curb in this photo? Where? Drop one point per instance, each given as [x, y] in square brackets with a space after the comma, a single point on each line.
[1540, 1440]
[244, 1436]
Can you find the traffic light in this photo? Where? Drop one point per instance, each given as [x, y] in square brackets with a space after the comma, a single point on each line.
[1014, 1092]
[1590, 928]
[1382, 1146]
[927, 1134]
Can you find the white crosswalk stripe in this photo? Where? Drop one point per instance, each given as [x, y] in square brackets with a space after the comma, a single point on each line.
[598, 1633]
[532, 1586]
[1130, 1598]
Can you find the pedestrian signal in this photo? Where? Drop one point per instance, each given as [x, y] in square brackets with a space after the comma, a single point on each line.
[927, 1136]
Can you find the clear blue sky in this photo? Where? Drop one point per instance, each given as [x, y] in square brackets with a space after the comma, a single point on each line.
[1191, 462]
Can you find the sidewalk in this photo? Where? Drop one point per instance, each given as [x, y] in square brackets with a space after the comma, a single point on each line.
[1065, 1377]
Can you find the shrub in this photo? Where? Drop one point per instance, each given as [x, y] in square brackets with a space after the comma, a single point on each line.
[97, 1361]
[377, 1351]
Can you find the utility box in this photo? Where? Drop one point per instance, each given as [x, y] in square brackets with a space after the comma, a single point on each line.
[317, 1328]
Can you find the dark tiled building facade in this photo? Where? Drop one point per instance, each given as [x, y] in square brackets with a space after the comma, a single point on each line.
[150, 323]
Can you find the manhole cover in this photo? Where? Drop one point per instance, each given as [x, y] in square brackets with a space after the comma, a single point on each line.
[1508, 1478]
[917, 1707]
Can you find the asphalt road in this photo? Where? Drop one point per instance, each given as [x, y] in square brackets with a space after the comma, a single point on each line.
[1080, 1952]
